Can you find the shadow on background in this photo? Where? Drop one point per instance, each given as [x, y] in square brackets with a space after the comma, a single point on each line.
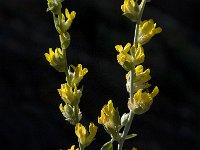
[29, 114]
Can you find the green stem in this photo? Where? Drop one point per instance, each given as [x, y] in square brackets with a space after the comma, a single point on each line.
[143, 3]
[76, 113]
[81, 147]
[132, 76]
[131, 115]
[65, 61]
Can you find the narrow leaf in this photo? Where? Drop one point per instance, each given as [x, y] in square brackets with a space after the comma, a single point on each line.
[130, 136]
[107, 146]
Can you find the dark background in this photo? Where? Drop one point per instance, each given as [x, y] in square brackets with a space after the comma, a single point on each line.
[29, 114]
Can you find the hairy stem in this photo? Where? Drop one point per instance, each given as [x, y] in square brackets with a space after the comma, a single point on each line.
[131, 115]
[132, 76]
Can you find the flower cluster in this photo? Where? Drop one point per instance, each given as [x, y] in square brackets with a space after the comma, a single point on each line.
[131, 57]
[69, 91]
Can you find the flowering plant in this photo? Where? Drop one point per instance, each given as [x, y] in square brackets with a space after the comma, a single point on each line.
[130, 57]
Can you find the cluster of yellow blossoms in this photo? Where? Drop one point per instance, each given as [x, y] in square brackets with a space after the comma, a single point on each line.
[69, 92]
[130, 57]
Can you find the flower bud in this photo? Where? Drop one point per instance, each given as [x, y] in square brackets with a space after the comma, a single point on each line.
[70, 113]
[65, 40]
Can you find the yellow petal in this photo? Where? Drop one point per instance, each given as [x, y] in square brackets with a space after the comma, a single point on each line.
[155, 92]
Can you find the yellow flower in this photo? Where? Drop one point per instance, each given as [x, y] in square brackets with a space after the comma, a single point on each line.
[142, 101]
[73, 148]
[56, 59]
[130, 9]
[138, 55]
[111, 121]
[123, 58]
[141, 75]
[78, 74]
[70, 16]
[85, 137]
[69, 95]
[66, 20]
[140, 80]
[109, 116]
[147, 29]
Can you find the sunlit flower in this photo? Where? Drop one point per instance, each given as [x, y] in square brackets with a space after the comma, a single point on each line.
[85, 137]
[147, 29]
[69, 95]
[124, 58]
[109, 116]
[142, 101]
[56, 59]
[130, 9]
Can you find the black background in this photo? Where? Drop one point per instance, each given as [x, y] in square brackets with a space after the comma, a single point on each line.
[29, 114]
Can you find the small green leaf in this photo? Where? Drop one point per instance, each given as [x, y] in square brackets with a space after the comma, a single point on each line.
[130, 136]
[107, 146]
